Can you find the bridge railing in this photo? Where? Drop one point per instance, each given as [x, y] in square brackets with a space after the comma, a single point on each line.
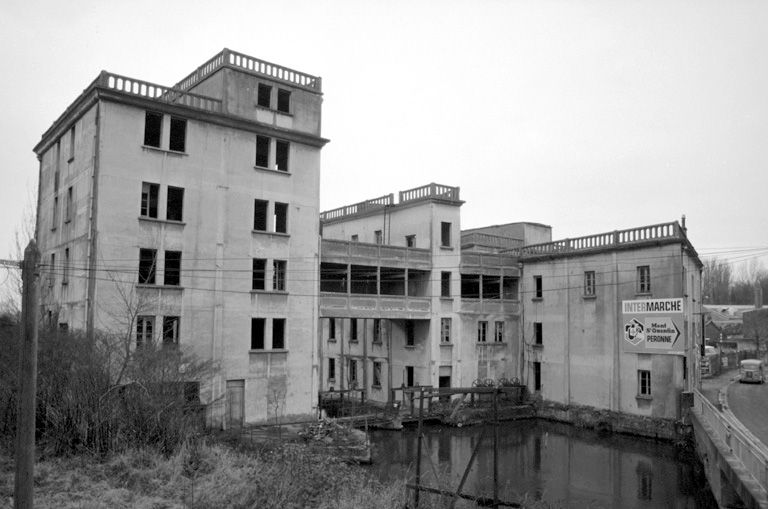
[752, 453]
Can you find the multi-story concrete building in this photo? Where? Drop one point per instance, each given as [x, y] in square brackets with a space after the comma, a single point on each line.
[189, 215]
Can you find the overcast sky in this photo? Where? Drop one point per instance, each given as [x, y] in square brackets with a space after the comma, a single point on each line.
[588, 116]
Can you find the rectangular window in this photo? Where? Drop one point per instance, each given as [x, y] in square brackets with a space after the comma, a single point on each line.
[258, 277]
[509, 287]
[278, 333]
[538, 333]
[377, 236]
[264, 98]
[170, 330]
[153, 128]
[175, 204]
[72, 144]
[178, 139]
[445, 234]
[410, 379]
[172, 268]
[538, 287]
[283, 100]
[262, 151]
[352, 371]
[53, 270]
[377, 330]
[145, 325]
[410, 240]
[643, 382]
[589, 283]
[376, 373]
[410, 333]
[498, 332]
[55, 218]
[331, 370]
[149, 193]
[482, 331]
[260, 215]
[445, 284]
[257, 333]
[281, 155]
[65, 277]
[68, 207]
[278, 275]
[445, 330]
[281, 217]
[644, 279]
[331, 328]
[353, 329]
[355, 238]
[147, 266]
[537, 376]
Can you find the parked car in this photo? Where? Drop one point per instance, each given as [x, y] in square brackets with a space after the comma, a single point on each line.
[751, 370]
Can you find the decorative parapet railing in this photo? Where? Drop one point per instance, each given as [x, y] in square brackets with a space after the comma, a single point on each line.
[614, 239]
[358, 208]
[428, 192]
[376, 253]
[750, 451]
[156, 92]
[487, 240]
[227, 57]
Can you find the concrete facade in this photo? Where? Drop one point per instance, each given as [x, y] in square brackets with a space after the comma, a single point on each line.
[176, 173]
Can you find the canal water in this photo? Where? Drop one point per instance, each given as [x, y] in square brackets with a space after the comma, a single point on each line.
[552, 462]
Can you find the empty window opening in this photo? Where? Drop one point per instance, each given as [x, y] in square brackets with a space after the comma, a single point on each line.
[283, 100]
[333, 277]
[260, 215]
[331, 328]
[65, 277]
[376, 373]
[55, 215]
[331, 370]
[491, 287]
[178, 138]
[418, 283]
[482, 331]
[278, 275]
[498, 332]
[377, 237]
[538, 333]
[175, 204]
[445, 284]
[145, 326]
[262, 151]
[352, 372]
[445, 330]
[445, 234]
[377, 330]
[410, 240]
[52, 280]
[149, 194]
[643, 382]
[278, 333]
[68, 207]
[281, 217]
[257, 333]
[470, 286]
[392, 281]
[72, 144]
[281, 155]
[170, 330]
[538, 287]
[644, 279]
[355, 238]
[364, 279]
[410, 379]
[509, 288]
[258, 277]
[264, 98]
[147, 266]
[353, 329]
[153, 128]
[536, 376]
[410, 333]
[172, 268]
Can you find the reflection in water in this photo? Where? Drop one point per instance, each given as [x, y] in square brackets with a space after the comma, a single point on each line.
[555, 462]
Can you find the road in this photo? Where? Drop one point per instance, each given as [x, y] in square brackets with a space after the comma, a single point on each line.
[749, 403]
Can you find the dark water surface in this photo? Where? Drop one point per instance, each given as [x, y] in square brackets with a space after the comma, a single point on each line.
[558, 463]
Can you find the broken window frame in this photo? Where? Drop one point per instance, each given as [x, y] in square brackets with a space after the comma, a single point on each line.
[445, 330]
[410, 241]
[498, 331]
[589, 283]
[279, 269]
[376, 379]
[171, 325]
[145, 329]
[150, 194]
[259, 274]
[147, 266]
[352, 372]
[482, 331]
[644, 279]
[445, 284]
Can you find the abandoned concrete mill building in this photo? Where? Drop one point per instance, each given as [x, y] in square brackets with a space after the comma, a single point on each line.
[189, 215]
[198, 201]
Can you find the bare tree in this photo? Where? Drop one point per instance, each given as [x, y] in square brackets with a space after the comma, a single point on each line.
[717, 281]
[10, 282]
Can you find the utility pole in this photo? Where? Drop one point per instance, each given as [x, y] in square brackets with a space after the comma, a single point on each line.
[25, 422]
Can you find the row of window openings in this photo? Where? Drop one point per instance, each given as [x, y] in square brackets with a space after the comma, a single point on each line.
[482, 331]
[410, 240]
[177, 139]
[410, 331]
[352, 372]
[643, 282]
[264, 98]
[259, 277]
[259, 334]
[150, 194]
[64, 270]
[145, 331]
[68, 208]
[376, 331]
[261, 216]
[57, 163]
[148, 267]
[643, 380]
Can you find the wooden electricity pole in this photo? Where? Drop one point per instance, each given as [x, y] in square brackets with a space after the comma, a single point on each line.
[25, 421]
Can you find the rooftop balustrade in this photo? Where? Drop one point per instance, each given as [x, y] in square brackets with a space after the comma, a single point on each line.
[479, 239]
[429, 191]
[156, 92]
